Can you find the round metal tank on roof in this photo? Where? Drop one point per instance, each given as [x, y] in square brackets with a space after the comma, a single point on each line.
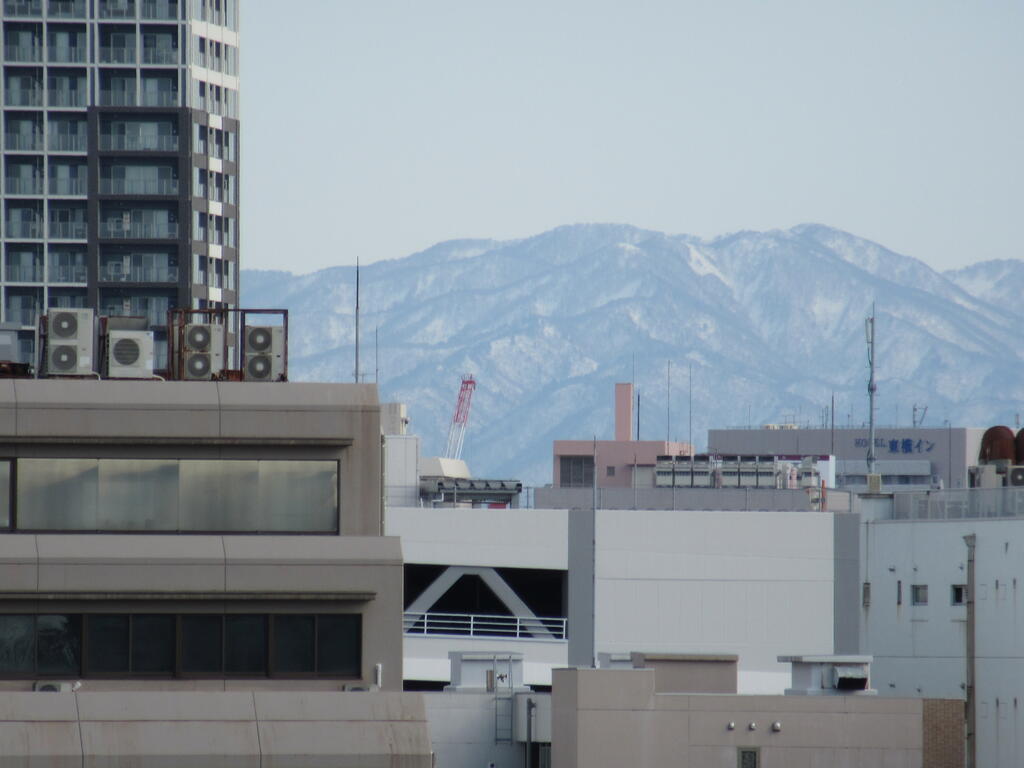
[997, 444]
[1020, 447]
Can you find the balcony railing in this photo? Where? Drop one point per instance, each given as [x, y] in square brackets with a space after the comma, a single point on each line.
[24, 142]
[68, 142]
[139, 143]
[22, 316]
[66, 9]
[138, 230]
[69, 230]
[110, 98]
[67, 54]
[121, 54]
[478, 625]
[66, 274]
[23, 98]
[19, 229]
[151, 9]
[19, 186]
[24, 273]
[159, 98]
[140, 275]
[59, 186]
[159, 56]
[138, 186]
[23, 53]
[111, 10]
[66, 98]
[23, 7]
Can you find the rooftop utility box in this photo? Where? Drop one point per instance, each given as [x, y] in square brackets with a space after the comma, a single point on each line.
[485, 671]
[830, 675]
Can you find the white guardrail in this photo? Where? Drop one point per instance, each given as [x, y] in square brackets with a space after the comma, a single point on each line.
[480, 625]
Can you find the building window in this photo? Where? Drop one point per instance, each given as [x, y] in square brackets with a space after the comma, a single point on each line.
[866, 594]
[610, 471]
[748, 757]
[958, 594]
[576, 471]
[187, 645]
[899, 593]
[919, 594]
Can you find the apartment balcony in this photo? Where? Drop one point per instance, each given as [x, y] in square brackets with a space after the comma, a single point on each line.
[139, 275]
[121, 54]
[24, 273]
[66, 9]
[159, 56]
[66, 98]
[141, 143]
[138, 231]
[60, 186]
[160, 10]
[111, 98]
[67, 54]
[22, 316]
[65, 274]
[23, 53]
[19, 98]
[159, 98]
[63, 142]
[19, 186]
[69, 230]
[24, 229]
[23, 142]
[138, 186]
[113, 10]
[23, 7]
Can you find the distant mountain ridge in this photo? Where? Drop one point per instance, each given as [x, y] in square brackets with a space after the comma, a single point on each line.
[770, 322]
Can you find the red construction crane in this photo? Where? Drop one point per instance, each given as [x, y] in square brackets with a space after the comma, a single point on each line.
[457, 431]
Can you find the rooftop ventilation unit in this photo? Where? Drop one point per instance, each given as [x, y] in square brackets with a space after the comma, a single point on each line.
[1015, 476]
[264, 353]
[130, 354]
[69, 342]
[204, 351]
[54, 686]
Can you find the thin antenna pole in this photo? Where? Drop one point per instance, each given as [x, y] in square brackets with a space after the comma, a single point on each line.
[832, 450]
[690, 414]
[637, 399]
[668, 400]
[376, 355]
[869, 330]
[357, 321]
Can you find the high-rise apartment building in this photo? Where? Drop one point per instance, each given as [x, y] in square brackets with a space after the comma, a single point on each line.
[120, 159]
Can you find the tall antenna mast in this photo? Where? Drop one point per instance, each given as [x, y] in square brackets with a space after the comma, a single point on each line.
[376, 355]
[689, 411]
[357, 321]
[869, 332]
[668, 401]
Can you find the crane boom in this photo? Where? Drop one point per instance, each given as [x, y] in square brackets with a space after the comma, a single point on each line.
[457, 430]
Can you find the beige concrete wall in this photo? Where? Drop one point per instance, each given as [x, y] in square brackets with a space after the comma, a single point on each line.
[238, 730]
[690, 673]
[196, 419]
[614, 718]
[87, 573]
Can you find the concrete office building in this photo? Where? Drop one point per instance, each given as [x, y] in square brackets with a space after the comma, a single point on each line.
[908, 458]
[120, 159]
[197, 572]
[902, 591]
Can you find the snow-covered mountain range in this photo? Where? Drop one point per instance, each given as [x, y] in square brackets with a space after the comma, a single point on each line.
[771, 324]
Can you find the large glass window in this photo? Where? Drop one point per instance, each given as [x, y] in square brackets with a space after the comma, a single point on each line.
[175, 495]
[183, 645]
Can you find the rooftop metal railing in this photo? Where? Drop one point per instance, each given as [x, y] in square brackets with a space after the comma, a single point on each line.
[484, 625]
[960, 504]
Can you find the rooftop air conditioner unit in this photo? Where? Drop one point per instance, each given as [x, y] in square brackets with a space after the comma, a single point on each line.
[204, 351]
[130, 355]
[69, 342]
[1015, 476]
[264, 353]
[55, 686]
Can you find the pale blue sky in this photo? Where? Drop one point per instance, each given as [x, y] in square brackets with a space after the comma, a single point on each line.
[380, 127]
